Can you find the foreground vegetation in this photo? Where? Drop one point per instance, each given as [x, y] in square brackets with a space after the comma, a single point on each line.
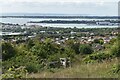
[95, 70]
[31, 58]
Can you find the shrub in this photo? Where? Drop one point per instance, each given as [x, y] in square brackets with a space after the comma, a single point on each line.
[33, 68]
[115, 50]
[96, 57]
[115, 69]
[25, 58]
[13, 72]
[30, 44]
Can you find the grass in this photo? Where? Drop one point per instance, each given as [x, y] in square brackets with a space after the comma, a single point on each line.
[96, 70]
[0, 69]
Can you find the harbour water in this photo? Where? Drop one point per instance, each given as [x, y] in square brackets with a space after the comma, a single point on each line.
[22, 21]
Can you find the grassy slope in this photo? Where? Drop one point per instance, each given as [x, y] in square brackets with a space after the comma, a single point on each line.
[96, 70]
[0, 69]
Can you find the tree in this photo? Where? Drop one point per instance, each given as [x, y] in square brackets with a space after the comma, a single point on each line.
[8, 51]
[30, 44]
[115, 49]
[43, 50]
[112, 41]
[100, 41]
[85, 49]
[73, 45]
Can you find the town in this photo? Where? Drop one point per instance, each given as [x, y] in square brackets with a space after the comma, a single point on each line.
[36, 49]
[21, 33]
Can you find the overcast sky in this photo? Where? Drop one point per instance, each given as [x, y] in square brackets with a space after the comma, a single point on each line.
[92, 7]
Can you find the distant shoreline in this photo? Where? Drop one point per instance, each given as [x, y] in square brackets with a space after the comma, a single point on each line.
[64, 17]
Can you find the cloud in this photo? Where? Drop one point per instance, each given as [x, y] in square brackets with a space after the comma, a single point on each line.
[59, 1]
[99, 7]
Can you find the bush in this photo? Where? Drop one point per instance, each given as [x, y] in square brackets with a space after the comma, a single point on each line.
[13, 72]
[96, 57]
[30, 44]
[115, 69]
[34, 68]
[115, 50]
[25, 58]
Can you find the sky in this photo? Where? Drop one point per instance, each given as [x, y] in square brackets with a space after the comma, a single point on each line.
[87, 7]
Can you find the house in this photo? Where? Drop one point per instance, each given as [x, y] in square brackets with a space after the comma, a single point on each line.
[97, 47]
[57, 42]
[106, 40]
[31, 36]
[73, 32]
[102, 23]
[92, 34]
